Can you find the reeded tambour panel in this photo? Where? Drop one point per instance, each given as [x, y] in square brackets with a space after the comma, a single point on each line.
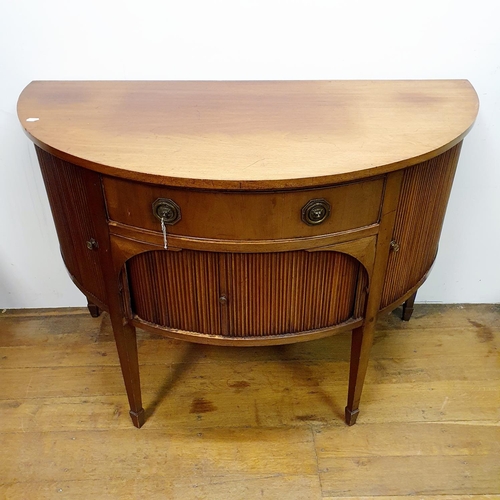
[246, 295]
[73, 220]
[421, 209]
[176, 289]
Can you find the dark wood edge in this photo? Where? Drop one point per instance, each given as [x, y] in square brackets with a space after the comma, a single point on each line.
[382, 176]
[408, 294]
[290, 338]
[246, 185]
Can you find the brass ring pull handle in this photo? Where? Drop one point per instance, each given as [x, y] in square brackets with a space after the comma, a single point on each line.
[167, 211]
[316, 211]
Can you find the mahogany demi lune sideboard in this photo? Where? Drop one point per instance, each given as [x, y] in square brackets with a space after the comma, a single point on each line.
[248, 213]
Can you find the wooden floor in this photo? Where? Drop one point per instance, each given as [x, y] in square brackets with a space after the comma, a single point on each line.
[228, 423]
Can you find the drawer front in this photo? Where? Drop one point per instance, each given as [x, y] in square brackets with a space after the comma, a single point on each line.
[246, 215]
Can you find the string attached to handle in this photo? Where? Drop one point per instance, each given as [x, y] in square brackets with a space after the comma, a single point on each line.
[164, 231]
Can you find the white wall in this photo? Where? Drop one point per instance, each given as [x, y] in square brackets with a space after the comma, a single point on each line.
[259, 39]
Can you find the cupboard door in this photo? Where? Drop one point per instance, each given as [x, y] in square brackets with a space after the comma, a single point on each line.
[422, 205]
[246, 295]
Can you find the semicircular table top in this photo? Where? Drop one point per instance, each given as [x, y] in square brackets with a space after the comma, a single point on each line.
[247, 135]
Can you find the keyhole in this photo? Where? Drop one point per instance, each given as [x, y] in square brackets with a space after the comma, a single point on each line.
[166, 213]
[317, 213]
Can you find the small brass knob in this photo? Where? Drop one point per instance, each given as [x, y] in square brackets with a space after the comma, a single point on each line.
[394, 246]
[92, 244]
[316, 211]
[223, 300]
[167, 211]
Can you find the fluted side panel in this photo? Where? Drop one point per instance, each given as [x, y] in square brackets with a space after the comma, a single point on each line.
[419, 220]
[70, 209]
[266, 294]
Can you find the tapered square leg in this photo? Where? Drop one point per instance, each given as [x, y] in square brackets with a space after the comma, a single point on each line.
[362, 340]
[95, 312]
[126, 343]
[408, 308]
[351, 416]
[112, 265]
[138, 419]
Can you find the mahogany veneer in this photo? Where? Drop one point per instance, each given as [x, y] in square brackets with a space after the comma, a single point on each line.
[248, 213]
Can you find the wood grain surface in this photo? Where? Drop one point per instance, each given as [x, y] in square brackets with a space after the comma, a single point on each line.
[251, 423]
[247, 135]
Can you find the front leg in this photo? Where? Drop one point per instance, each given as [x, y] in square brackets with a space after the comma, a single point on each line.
[112, 265]
[361, 343]
[126, 344]
[362, 337]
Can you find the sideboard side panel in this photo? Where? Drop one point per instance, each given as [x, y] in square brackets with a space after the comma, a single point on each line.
[422, 206]
[69, 202]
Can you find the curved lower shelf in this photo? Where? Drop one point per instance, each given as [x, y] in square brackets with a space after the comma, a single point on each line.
[202, 338]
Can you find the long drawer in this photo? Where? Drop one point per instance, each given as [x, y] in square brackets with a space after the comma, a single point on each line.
[236, 215]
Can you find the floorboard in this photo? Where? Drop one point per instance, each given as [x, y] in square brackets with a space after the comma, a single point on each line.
[254, 422]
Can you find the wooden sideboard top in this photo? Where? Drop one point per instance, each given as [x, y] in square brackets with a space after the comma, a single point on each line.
[247, 135]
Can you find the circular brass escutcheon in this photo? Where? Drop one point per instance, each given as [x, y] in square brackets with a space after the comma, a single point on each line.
[167, 210]
[316, 211]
